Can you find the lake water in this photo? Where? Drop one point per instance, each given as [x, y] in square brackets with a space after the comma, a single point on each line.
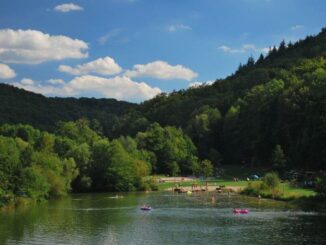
[175, 219]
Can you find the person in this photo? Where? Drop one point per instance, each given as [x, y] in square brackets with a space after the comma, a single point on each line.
[213, 199]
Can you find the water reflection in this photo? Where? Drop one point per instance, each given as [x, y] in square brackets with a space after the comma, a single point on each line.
[175, 219]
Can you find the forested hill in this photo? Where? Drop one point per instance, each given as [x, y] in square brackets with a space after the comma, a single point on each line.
[20, 106]
[224, 92]
[280, 99]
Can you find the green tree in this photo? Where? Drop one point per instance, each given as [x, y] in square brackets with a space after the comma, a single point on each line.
[9, 164]
[278, 159]
[207, 168]
[271, 181]
[33, 183]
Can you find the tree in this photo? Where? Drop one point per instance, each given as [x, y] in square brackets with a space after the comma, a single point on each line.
[271, 182]
[173, 168]
[278, 158]
[9, 164]
[260, 59]
[207, 168]
[121, 172]
[33, 183]
[171, 147]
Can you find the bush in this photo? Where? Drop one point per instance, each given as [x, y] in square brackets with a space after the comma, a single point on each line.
[253, 189]
[271, 181]
[269, 187]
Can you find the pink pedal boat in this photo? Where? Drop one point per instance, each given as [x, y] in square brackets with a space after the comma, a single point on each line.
[240, 211]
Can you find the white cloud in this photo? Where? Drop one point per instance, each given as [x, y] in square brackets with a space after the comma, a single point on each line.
[27, 81]
[227, 49]
[34, 47]
[119, 87]
[41, 88]
[6, 72]
[296, 27]
[178, 27]
[243, 49]
[67, 7]
[102, 66]
[199, 84]
[161, 70]
[55, 81]
[195, 84]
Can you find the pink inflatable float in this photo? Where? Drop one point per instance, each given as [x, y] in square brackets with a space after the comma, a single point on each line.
[240, 211]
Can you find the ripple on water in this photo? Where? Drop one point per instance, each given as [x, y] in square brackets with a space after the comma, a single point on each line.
[175, 219]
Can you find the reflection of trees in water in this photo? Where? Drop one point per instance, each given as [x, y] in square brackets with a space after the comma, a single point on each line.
[66, 219]
[99, 219]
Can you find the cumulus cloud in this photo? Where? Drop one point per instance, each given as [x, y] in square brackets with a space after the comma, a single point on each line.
[119, 87]
[245, 48]
[27, 81]
[161, 70]
[200, 84]
[178, 27]
[102, 66]
[68, 7]
[34, 47]
[6, 72]
[195, 84]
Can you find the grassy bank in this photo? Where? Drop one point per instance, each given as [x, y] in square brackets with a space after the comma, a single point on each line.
[285, 191]
[202, 183]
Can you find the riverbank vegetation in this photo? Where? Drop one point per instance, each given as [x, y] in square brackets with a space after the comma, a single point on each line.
[271, 187]
[38, 165]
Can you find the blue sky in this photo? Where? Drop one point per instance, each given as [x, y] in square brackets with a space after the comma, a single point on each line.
[133, 49]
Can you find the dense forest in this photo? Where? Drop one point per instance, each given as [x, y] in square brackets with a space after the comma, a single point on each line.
[274, 106]
[20, 106]
[38, 164]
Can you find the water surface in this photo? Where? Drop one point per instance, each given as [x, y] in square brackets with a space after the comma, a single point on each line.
[175, 219]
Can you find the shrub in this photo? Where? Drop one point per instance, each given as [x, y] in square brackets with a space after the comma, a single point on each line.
[271, 181]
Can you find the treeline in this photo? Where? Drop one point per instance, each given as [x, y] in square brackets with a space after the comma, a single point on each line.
[38, 165]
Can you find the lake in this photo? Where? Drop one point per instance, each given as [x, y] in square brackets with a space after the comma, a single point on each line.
[175, 219]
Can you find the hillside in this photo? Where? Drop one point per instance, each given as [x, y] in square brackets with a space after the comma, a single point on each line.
[277, 100]
[20, 106]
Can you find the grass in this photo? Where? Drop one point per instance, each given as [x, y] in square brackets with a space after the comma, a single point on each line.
[284, 192]
[215, 182]
[290, 192]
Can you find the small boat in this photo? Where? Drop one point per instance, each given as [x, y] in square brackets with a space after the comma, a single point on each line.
[240, 211]
[146, 208]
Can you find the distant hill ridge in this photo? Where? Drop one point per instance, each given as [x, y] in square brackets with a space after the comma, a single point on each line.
[20, 106]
